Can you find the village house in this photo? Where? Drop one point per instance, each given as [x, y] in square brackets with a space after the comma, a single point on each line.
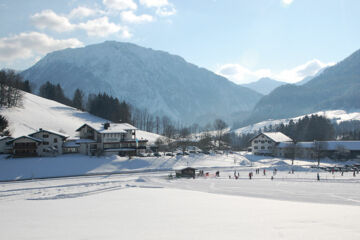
[4, 146]
[51, 142]
[110, 139]
[25, 146]
[264, 143]
[310, 150]
[40, 143]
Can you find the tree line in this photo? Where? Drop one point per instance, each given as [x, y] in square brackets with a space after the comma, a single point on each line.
[11, 85]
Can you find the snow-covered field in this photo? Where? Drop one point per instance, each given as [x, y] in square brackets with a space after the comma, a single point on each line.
[37, 112]
[149, 205]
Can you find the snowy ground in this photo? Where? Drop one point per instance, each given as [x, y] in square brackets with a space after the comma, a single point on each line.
[149, 205]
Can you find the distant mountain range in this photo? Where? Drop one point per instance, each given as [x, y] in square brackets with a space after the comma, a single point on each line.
[165, 84]
[264, 85]
[337, 87]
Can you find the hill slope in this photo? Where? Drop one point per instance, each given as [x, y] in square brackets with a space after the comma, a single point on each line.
[38, 112]
[156, 80]
[264, 85]
[337, 87]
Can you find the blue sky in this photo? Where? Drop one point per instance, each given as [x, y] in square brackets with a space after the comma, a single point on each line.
[242, 40]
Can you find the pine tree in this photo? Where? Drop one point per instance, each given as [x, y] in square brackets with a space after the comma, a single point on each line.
[77, 100]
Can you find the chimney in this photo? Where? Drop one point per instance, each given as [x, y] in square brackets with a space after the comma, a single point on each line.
[106, 125]
[40, 129]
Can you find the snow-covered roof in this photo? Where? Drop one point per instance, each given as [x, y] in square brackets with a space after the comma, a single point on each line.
[32, 138]
[85, 140]
[275, 136]
[5, 138]
[113, 127]
[71, 144]
[328, 145]
[333, 145]
[51, 132]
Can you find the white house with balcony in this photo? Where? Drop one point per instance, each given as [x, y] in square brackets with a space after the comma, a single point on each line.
[264, 143]
[109, 139]
[51, 142]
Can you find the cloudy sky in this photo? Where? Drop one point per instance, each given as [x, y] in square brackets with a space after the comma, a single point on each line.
[243, 40]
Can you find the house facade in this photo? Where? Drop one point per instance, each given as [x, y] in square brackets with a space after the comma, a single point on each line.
[51, 142]
[264, 143]
[25, 146]
[4, 146]
[110, 139]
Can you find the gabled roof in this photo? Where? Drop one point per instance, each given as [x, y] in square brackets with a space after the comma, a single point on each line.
[113, 128]
[28, 137]
[6, 138]
[51, 132]
[275, 136]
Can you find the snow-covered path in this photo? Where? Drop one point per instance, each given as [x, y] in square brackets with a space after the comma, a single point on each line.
[133, 207]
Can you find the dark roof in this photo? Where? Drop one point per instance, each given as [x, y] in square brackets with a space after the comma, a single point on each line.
[32, 138]
[51, 132]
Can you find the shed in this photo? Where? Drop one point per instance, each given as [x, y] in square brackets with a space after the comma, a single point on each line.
[186, 172]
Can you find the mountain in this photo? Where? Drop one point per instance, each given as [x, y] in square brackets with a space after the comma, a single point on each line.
[337, 87]
[156, 80]
[264, 85]
[37, 112]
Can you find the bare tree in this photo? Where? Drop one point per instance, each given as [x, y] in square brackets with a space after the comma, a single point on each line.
[319, 149]
[290, 151]
[219, 126]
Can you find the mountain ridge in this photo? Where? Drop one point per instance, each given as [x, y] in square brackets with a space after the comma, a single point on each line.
[163, 83]
[336, 88]
[264, 85]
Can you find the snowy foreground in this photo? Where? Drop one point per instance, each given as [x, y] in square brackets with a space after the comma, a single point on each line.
[149, 205]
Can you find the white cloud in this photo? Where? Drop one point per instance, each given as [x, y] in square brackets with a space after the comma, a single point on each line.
[130, 17]
[27, 45]
[100, 27]
[166, 11]
[120, 4]
[154, 3]
[83, 12]
[240, 74]
[298, 73]
[50, 20]
[287, 2]
[163, 7]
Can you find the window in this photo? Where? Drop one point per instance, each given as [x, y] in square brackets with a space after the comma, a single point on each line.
[269, 147]
[255, 147]
[262, 141]
[262, 147]
[55, 140]
[45, 135]
[256, 141]
[46, 143]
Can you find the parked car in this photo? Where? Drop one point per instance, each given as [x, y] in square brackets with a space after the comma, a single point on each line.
[169, 154]
[157, 154]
